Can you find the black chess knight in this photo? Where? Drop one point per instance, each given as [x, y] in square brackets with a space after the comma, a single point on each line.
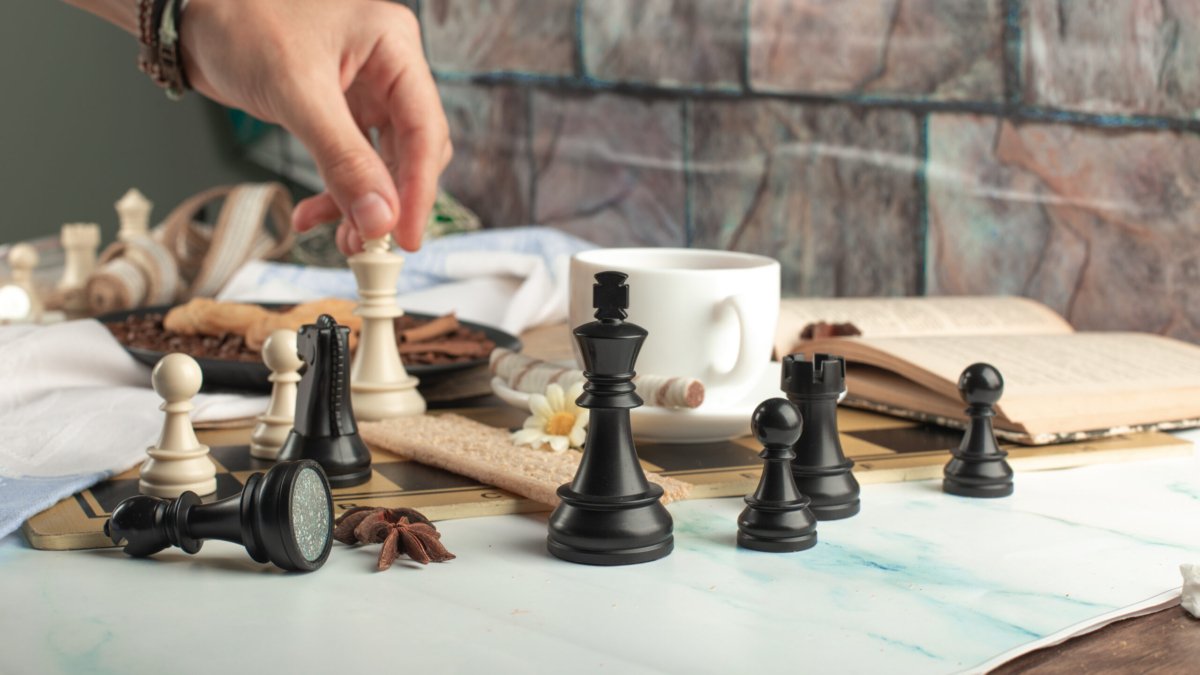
[324, 429]
[610, 514]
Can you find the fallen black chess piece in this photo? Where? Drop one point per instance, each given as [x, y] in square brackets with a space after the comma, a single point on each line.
[284, 517]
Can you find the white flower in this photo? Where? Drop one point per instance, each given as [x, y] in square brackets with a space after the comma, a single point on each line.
[556, 421]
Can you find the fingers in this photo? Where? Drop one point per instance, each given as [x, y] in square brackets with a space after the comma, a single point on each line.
[314, 211]
[419, 142]
[356, 179]
[349, 241]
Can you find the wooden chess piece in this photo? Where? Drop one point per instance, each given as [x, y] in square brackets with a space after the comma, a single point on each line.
[776, 517]
[133, 212]
[324, 429]
[19, 300]
[821, 468]
[979, 467]
[80, 242]
[379, 385]
[284, 517]
[280, 356]
[179, 463]
[610, 514]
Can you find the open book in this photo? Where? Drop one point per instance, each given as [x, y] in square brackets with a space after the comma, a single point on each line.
[1059, 384]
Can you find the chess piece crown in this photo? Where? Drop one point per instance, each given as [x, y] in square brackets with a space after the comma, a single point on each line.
[824, 375]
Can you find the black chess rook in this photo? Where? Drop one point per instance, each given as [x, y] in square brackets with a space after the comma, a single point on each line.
[979, 467]
[777, 518]
[610, 514]
[821, 469]
[324, 429]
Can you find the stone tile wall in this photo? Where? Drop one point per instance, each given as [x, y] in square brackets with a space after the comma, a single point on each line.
[1047, 148]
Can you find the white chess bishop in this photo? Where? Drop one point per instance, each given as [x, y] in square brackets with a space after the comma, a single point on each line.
[380, 388]
[179, 462]
[280, 355]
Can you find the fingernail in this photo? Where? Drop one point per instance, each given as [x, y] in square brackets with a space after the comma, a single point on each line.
[372, 215]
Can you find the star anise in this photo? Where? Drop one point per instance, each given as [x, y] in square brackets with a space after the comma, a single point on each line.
[400, 530]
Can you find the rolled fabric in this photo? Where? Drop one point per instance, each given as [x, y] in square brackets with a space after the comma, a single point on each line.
[532, 376]
[163, 283]
[116, 285]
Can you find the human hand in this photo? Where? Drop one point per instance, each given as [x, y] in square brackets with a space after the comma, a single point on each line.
[329, 71]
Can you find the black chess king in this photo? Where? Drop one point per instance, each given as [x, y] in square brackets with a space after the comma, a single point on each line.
[610, 514]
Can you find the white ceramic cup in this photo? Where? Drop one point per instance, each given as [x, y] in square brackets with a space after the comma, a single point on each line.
[711, 314]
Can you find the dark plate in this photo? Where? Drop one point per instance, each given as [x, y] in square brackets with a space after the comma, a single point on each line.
[223, 374]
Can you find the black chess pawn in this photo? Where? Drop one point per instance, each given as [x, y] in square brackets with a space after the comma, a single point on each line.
[324, 429]
[776, 517]
[979, 467]
[821, 468]
[610, 514]
[284, 517]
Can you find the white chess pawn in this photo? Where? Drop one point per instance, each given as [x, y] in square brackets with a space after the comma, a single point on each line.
[380, 388]
[19, 300]
[179, 462]
[279, 353]
[133, 212]
[79, 242]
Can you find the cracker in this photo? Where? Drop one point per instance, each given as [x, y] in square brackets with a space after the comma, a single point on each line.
[485, 453]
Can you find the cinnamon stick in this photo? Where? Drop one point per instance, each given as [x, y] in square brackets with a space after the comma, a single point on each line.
[431, 330]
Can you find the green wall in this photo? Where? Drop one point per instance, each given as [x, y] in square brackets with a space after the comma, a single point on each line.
[79, 124]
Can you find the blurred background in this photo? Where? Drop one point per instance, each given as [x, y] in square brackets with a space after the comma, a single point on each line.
[1045, 148]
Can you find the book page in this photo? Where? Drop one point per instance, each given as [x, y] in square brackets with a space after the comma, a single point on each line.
[896, 317]
[1041, 365]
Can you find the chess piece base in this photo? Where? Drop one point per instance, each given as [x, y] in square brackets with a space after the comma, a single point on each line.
[169, 474]
[378, 401]
[619, 531]
[967, 475]
[345, 459]
[777, 528]
[269, 437]
[834, 495]
[984, 490]
[785, 545]
[202, 487]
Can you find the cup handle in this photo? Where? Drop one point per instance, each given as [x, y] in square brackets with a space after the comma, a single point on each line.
[742, 375]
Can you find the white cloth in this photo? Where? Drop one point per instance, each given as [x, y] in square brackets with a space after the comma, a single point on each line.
[514, 278]
[75, 408]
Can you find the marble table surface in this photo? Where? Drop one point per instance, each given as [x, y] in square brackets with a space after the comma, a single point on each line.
[919, 582]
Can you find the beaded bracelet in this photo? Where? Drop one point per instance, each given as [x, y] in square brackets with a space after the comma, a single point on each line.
[160, 55]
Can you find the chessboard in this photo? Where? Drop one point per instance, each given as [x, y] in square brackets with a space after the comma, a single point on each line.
[885, 449]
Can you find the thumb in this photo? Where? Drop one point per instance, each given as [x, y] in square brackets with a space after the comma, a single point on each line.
[355, 176]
